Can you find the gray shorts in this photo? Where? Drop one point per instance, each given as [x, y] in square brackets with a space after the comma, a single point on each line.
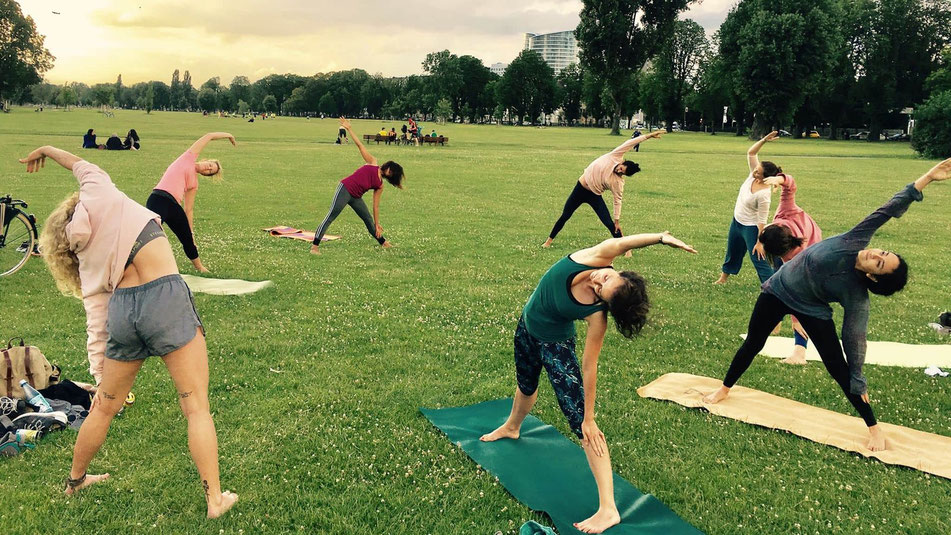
[155, 318]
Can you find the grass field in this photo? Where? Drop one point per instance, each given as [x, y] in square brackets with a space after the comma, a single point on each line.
[316, 381]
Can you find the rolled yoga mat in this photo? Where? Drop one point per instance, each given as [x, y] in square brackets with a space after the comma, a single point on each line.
[207, 285]
[297, 234]
[881, 353]
[927, 452]
[548, 472]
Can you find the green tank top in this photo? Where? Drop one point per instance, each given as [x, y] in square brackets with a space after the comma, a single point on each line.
[551, 311]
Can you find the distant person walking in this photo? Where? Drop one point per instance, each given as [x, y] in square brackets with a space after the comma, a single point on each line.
[173, 198]
[605, 173]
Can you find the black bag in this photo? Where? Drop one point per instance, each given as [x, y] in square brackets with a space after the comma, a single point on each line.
[945, 319]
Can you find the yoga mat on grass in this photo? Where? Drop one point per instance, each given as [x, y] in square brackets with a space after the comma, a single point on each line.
[927, 452]
[297, 234]
[548, 472]
[207, 285]
[880, 353]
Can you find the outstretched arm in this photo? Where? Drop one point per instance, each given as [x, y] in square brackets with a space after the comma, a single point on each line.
[631, 143]
[37, 159]
[604, 253]
[751, 154]
[367, 157]
[597, 326]
[199, 145]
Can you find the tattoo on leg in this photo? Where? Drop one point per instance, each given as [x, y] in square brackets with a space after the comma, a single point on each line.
[107, 395]
[204, 484]
[184, 395]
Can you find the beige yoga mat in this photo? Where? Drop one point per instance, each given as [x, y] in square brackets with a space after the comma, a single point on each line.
[297, 234]
[906, 447]
[881, 353]
[211, 286]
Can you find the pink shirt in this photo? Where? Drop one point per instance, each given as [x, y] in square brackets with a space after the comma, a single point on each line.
[791, 216]
[180, 176]
[600, 176]
[101, 233]
[365, 178]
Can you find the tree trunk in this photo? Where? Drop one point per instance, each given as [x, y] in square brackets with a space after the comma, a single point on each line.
[760, 128]
[874, 130]
[616, 120]
[833, 131]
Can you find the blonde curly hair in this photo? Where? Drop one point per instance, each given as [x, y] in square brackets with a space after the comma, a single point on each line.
[61, 261]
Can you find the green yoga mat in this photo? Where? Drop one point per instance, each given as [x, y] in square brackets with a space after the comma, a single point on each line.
[548, 472]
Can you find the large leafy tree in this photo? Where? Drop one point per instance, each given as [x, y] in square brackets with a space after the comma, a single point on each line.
[676, 69]
[617, 37]
[571, 82]
[932, 134]
[777, 51]
[23, 58]
[528, 87]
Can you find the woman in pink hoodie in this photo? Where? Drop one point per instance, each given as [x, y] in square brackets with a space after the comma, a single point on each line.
[791, 231]
[110, 251]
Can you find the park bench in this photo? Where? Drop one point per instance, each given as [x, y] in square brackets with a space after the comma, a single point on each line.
[378, 138]
[442, 140]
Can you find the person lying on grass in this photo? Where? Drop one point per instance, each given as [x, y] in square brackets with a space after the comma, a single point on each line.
[351, 189]
[111, 251]
[583, 285]
[791, 231]
[173, 198]
[841, 269]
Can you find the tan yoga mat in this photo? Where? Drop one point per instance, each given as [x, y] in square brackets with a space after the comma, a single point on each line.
[211, 286]
[297, 234]
[881, 353]
[927, 452]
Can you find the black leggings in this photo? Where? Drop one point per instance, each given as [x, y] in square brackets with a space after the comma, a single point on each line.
[173, 215]
[581, 195]
[766, 314]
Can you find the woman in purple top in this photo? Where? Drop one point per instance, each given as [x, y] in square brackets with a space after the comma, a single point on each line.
[351, 189]
[841, 269]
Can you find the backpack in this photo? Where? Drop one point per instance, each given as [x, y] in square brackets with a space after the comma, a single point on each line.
[23, 362]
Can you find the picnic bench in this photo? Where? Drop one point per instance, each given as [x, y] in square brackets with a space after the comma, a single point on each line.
[378, 138]
[432, 140]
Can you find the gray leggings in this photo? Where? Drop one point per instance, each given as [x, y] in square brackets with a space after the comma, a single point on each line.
[342, 198]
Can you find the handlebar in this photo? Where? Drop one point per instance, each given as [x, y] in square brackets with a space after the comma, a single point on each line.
[13, 202]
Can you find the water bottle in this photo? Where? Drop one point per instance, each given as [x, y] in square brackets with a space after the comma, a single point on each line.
[33, 397]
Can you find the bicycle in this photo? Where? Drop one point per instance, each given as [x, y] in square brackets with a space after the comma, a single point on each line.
[19, 238]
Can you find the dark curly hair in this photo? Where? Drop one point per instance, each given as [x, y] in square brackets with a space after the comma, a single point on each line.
[397, 172]
[629, 305]
[630, 167]
[770, 169]
[889, 283]
[777, 240]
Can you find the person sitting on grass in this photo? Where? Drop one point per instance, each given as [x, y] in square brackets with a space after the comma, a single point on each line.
[841, 269]
[111, 251]
[173, 198]
[131, 141]
[582, 285]
[114, 143]
[791, 231]
[89, 140]
[351, 189]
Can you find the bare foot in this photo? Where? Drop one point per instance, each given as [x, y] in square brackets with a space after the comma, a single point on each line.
[718, 396]
[722, 279]
[228, 499]
[387, 244]
[798, 357]
[547, 243]
[876, 439]
[314, 249]
[501, 432]
[90, 480]
[599, 521]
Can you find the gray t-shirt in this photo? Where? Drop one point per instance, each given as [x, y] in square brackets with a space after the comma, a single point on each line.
[825, 273]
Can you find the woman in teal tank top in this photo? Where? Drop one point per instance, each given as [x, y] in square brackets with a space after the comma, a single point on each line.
[581, 286]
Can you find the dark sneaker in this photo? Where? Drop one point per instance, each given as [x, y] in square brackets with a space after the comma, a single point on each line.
[11, 407]
[9, 447]
[42, 421]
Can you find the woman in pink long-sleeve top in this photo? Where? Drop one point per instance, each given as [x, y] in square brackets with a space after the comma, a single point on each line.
[605, 173]
[791, 231]
[105, 248]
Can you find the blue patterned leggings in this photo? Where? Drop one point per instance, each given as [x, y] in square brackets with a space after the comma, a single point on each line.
[561, 364]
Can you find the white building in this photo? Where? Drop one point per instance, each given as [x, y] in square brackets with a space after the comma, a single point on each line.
[498, 68]
[558, 49]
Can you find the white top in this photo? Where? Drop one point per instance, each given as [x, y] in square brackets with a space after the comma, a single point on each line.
[751, 208]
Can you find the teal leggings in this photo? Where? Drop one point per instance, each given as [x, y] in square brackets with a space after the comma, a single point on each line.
[740, 242]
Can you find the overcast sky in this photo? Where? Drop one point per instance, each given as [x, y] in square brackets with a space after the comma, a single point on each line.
[95, 40]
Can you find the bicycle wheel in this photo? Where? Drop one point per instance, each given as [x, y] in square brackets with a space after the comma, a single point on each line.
[16, 244]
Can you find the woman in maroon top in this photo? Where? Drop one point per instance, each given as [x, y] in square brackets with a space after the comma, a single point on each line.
[351, 189]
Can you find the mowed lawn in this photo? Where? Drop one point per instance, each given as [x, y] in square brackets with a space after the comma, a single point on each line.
[316, 382]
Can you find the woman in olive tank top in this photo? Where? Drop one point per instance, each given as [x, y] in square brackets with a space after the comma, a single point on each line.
[583, 285]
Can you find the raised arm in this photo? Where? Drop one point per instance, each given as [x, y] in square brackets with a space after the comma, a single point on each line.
[604, 253]
[37, 159]
[199, 145]
[751, 154]
[367, 157]
[597, 326]
[631, 143]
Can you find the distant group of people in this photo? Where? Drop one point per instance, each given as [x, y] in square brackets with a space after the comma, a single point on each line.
[131, 141]
[410, 132]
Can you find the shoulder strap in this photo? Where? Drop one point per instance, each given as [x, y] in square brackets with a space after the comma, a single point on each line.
[29, 370]
[9, 377]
